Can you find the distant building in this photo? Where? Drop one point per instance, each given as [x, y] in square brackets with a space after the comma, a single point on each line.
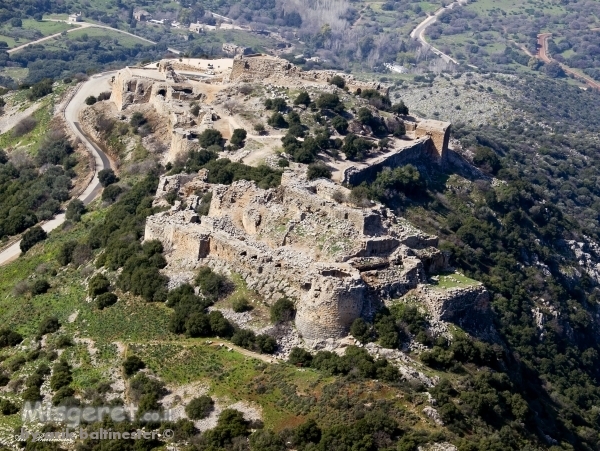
[76, 17]
[141, 15]
[201, 27]
[233, 49]
[157, 22]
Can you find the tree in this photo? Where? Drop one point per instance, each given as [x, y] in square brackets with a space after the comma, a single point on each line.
[16, 22]
[365, 116]
[486, 158]
[33, 236]
[98, 284]
[90, 100]
[277, 121]
[48, 325]
[198, 325]
[107, 177]
[40, 89]
[355, 148]
[74, 210]
[266, 440]
[137, 119]
[9, 338]
[339, 124]
[111, 193]
[241, 304]
[400, 108]
[277, 104]
[238, 137]
[282, 310]
[199, 408]
[360, 330]
[132, 364]
[210, 137]
[330, 102]
[211, 284]
[302, 99]
[300, 357]
[338, 81]
[318, 170]
[106, 300]
[40, 286]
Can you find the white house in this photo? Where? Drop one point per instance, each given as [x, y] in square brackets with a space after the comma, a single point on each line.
[75, 17]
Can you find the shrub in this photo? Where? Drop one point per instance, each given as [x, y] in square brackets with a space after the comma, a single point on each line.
[241, 304]
[111, 193]
[97, 285]
[75, 209]
[199, 408]
[364, 116]
[103, 96]
[211, 284]
[106, 300]
[244, 338]
[360, 330]
[338, 81]
[400, 108]
[277, 104]
[132, 365]
[40, 286]
[330, 102]
[33, 236]
[259, 128]
[283, 310]
[7, 407]
[198, 325]
[210, 137]
[339, 124]
[24, 126]
[90, 100]
[318, 170]
[62, 394]
[302, 99]
[61, 375]
[137, 120]
[277, 121]
[40, 89]
[300, 357]
[238, 137]
[246, 89]
[195, 110]
[9, 338]
[265, 344]
[283, 163]
[486, 159]
[107, 177]
[356, 148]
[48, 325]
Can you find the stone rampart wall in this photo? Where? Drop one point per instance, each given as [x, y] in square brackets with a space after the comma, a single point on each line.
[355, 176]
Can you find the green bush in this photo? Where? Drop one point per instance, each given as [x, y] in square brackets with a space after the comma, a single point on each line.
[107, 177]
[330, 102]
[106, 300]
[40, 286]
[277, 121]
[74, 210]
[300, 357]
[111, 192]
[90, 100]
[356, 148]
[303, 98]
[400, 108]
[212, 285]
[61, 375]
[199, 408]
[132, 364]
[360, 330]
[283, 310]
[33, 236]
[97, 285]
[338, 81]
[277, 104]
[238, 137]
[137, 119]
[48, 325]
[318, 170]
[8, 408]
[210, 137]
[9, 338]
[241, 304]
[340, 124]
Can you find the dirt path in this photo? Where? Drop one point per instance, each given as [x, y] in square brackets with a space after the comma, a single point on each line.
[544, 56]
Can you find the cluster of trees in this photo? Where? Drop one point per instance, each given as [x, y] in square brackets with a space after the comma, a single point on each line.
[191, 317]
[27, 194]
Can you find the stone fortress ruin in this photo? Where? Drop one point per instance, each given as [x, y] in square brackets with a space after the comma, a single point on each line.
[171, 85]
[302, 239]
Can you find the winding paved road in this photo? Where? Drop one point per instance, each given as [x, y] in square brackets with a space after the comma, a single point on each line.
[419, 32]
[82, 25]
[94, 86]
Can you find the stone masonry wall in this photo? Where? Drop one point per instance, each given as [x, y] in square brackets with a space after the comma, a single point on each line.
[355, 176]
